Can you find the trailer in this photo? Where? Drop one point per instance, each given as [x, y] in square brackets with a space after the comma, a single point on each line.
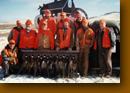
[50, 53]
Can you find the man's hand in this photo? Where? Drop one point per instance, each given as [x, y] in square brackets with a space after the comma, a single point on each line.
[57, 49]
[69, 49]
[110, 50]
[12, 58]
[77, 48]
[14, 62]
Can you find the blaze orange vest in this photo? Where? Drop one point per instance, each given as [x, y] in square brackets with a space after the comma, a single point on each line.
[15, 32]
[85, 38]
[66, 42]
[27, 40]
[76, 25]
[0, 60]
[10, 54]
[49, 34]
[61, 24]
[106, 40]
[51, 24]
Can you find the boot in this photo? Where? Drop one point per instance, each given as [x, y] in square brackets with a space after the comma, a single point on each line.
[5, 66]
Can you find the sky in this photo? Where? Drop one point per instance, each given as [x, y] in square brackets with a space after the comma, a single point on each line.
[12, 10]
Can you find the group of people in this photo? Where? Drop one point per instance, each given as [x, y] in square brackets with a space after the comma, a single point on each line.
[68, 36]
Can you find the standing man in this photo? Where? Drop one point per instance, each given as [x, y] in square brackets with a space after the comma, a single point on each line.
[26, 38]
[65, 37]
[60, 23]
[15, 31]
[51, 23]
[78, 22]
[9, 58]
[84, 41]
[104, 43]
[45, 38]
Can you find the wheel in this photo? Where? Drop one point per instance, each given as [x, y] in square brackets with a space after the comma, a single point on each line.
[82, 11]
[37, 20]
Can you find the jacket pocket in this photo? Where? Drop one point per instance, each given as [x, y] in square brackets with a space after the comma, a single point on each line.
[88, 41]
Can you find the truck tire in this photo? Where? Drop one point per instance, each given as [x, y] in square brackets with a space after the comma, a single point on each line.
[37, 20]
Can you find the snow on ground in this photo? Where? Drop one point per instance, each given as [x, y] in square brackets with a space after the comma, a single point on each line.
[39, 79]
[3, 42]
[2, 31]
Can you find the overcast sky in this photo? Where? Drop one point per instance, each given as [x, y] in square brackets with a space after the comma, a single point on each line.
[11, 10]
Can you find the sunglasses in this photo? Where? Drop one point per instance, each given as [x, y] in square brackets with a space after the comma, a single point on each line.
[11, 44]
[43, 24]
[18, 23]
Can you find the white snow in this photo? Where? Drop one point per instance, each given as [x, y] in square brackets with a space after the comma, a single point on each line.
[3, 42]
[2, 31]
[39, 79]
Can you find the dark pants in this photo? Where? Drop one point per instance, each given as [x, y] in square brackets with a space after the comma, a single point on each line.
[9, 68]
[105, 63]
[83, 61]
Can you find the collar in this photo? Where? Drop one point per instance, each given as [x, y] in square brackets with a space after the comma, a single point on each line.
[84, 29]
[28, 31]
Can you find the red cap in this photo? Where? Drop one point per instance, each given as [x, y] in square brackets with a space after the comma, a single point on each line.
[11, 42]
[102, 21]
[44, 22]
[18, 21]
[28, 22]
[66, 19]
[47, 12]
[63, 14]
[79, 15]
[85, 21]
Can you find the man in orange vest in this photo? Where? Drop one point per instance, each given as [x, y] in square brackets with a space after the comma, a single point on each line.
[9, 58]
[104, 43]
[51, 23]
[26, 38]
[15, 31]
[45, 38]
[78, 22]
[65, 37]
[60, 23]
[84, 41]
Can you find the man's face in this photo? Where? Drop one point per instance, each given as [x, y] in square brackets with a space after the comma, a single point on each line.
[66, 24]
[102, 25]
[47, 15]
[44, 27]
[12, 46]
[85, 25]
[62, 17]
[79, 18]
[19, 25]
[28, 26]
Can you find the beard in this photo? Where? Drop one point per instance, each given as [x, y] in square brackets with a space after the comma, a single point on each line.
[47, 17]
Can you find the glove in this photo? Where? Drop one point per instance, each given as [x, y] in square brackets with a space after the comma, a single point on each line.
[70, 49]
[14, 62]
[77, 48]
[57, 49]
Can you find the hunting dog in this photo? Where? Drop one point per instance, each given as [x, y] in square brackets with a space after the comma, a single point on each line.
[26, 58]
[43, 66]
[29, 64]
[72, 67]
